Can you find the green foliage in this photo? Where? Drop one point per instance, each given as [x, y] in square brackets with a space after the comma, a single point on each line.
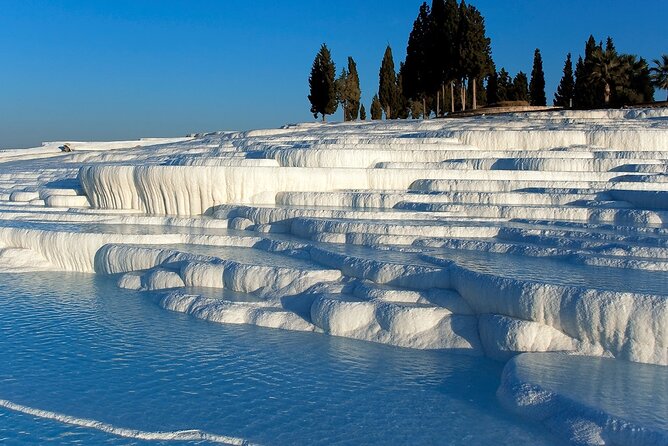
[362, 112]
[659, 72]
[387, 86]
[607, 78]
[322, 84]
[537, 85]
[348, 91]
[585, 87]
[566, 86]
[520, 90]
[403, 104]
[448, 43]
[504, 86]
[607, 71]
[414, 75]
[493, 88]
[376, 108]
[417, 111]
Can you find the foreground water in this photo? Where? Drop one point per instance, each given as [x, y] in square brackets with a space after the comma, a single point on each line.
[77, 345]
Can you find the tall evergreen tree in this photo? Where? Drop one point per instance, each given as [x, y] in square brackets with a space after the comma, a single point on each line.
[376, 108]
[610, 46]
[465, 51]
[493, 87]
[414, 76]
[387, 87]
[341, 93]
[322, 84]
[476, 49]
[520, 87]
[403, 103]
[504, 86]
[348, 91]
[585, 87]
[537, 84]
[437, 49]
[580, 92]
[564, 94]
[362, 113]
[354, 91]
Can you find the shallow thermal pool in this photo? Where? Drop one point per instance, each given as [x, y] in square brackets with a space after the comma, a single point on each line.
[76, 345]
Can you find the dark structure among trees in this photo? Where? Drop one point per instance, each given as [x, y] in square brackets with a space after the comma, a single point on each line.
[322, 84]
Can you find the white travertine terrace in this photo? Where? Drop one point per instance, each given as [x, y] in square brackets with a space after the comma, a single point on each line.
[540, 232]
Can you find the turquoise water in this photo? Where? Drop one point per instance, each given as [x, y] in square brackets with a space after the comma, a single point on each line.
[77, 345]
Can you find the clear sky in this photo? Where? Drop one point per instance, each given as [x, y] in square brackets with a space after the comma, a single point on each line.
[114, 69]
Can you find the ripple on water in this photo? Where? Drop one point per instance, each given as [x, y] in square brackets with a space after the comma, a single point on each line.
[77, 345]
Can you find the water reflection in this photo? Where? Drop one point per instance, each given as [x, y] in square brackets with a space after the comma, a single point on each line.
[115, 356]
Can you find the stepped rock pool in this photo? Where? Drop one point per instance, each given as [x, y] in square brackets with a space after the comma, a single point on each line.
[75, 347]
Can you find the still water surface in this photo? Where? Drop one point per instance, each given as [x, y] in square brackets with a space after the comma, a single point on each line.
[77, 345]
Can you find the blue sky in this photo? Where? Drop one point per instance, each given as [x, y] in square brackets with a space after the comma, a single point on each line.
[119, 69]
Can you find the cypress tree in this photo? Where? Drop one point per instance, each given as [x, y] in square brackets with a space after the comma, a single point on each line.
[376, 108]
[414, 76]
[362, 113]
[564, 94]
[520, 87]
[322, 84]
[438, 46]
[493, 87]
[586, 88]
[452, 71]
[476, 57]
[464, 53]
[610, 46]
[342, 93]
[354, 91]
[537, 84]
[348, 91]
[504, 86]
[387, 86]
[403, 103]
[580, 92]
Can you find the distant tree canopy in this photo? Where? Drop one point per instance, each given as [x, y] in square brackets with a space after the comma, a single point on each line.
[605, 78]
[447, 45]
[322, 84]
[449, 66]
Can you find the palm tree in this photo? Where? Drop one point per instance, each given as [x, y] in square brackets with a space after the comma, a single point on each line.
[660, 72]
[609, 70]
